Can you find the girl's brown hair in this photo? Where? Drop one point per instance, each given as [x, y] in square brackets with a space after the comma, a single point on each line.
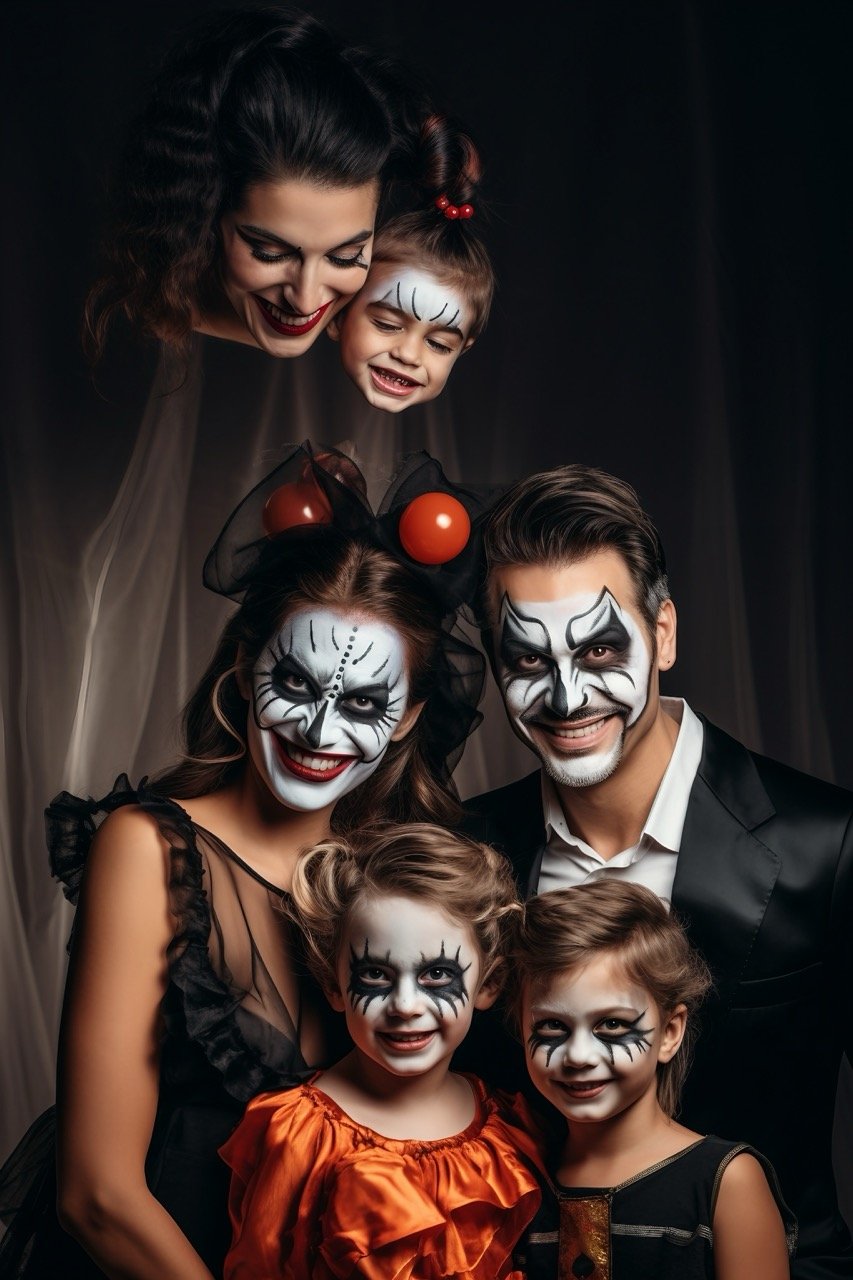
[564, 929]
[472, 883]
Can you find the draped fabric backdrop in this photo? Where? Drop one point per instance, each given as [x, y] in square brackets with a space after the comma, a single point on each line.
[670, 219]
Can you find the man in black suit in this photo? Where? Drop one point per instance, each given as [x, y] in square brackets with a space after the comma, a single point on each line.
[757, 858]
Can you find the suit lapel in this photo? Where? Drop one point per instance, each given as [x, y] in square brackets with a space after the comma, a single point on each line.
[725, 873]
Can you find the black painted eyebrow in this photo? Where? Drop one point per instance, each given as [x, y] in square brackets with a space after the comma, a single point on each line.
[359, 237]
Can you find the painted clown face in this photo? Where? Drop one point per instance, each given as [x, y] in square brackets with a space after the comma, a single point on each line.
[401, 336]
[593, 1040]
[574, 670]
[330, 692]
[409, 978]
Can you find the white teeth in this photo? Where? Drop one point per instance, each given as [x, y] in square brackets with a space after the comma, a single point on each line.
[583, 732]
[322, 764]
[286, 317]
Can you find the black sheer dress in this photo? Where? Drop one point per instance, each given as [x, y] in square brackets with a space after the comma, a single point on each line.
[240, 1015]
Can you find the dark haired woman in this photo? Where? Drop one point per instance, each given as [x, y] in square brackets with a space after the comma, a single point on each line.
[335, 697]
[250, 183]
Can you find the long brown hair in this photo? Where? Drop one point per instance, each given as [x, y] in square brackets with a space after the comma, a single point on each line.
[338, 570]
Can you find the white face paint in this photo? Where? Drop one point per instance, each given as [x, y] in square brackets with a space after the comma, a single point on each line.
[401, 336]
[592, 1039]
[409, 976]
[575, 676]
[329, 690]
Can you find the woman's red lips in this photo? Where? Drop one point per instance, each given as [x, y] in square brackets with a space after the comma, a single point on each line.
[290, 330]
[305, 772]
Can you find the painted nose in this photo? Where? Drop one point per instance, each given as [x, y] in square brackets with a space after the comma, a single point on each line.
[565, 695]
[406, 1000]
[320, 730]
[579, 1051]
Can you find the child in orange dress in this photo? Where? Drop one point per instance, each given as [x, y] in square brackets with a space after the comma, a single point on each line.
[390, 1165]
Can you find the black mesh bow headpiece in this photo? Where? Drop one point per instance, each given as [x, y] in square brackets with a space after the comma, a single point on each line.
[321, 486]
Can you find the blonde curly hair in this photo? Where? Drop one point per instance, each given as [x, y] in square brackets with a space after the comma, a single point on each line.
[470, 882]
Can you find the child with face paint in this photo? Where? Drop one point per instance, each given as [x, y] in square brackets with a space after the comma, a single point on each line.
[249, 185]
[429, 290]
[388, 1164]
[606, 989]
[331, 701]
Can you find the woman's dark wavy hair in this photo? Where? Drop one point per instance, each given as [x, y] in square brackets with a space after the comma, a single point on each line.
[255, 94]
[450, 247]
[341, 571]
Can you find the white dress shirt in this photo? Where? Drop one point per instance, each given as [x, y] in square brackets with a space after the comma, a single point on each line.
[567, 860]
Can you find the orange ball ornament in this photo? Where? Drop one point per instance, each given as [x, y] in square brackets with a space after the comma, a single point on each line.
[299, 502]
[434, 528]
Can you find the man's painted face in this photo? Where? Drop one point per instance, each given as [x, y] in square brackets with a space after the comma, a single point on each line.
[592, 1040]
[401, 336]
[574, 673]
[409, 977]
[329, 690]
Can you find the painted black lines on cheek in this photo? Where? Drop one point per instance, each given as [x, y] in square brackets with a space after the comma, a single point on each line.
[552, 1043]
[636, 1037]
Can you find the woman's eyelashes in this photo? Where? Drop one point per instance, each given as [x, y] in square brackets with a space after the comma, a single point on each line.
[288, 681]
[273, 251]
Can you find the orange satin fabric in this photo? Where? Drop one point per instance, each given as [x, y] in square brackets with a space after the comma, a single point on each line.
[315, 1195]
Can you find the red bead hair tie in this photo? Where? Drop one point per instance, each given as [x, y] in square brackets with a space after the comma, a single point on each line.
[452, 210]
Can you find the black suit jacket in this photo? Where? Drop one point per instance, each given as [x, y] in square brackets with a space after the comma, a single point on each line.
[764, 884]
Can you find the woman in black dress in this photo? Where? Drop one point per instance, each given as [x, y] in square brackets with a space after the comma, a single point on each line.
[338, 694]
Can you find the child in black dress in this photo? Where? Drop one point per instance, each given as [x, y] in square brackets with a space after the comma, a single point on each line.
[607, 987]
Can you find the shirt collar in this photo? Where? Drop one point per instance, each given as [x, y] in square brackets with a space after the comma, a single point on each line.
[665, 822]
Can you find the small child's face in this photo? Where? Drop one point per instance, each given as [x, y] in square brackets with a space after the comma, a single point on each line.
[409, 981]
[401, 335]
[594, 1040]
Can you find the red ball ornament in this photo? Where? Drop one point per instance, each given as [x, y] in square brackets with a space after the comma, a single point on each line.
[299, 502]
[466, 211]
[434, 528]
[442, 202]
[451, 211]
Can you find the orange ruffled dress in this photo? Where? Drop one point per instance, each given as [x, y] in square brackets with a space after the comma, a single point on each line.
[315, 1195]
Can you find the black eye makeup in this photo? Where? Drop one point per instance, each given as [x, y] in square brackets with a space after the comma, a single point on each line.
[624, 1033]
[287, 680]
[613, 1032]
[441, 979]
[269, 248]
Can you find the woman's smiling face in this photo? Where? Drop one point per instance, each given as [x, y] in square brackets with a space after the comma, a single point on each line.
[293, 254]
[330, 692]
